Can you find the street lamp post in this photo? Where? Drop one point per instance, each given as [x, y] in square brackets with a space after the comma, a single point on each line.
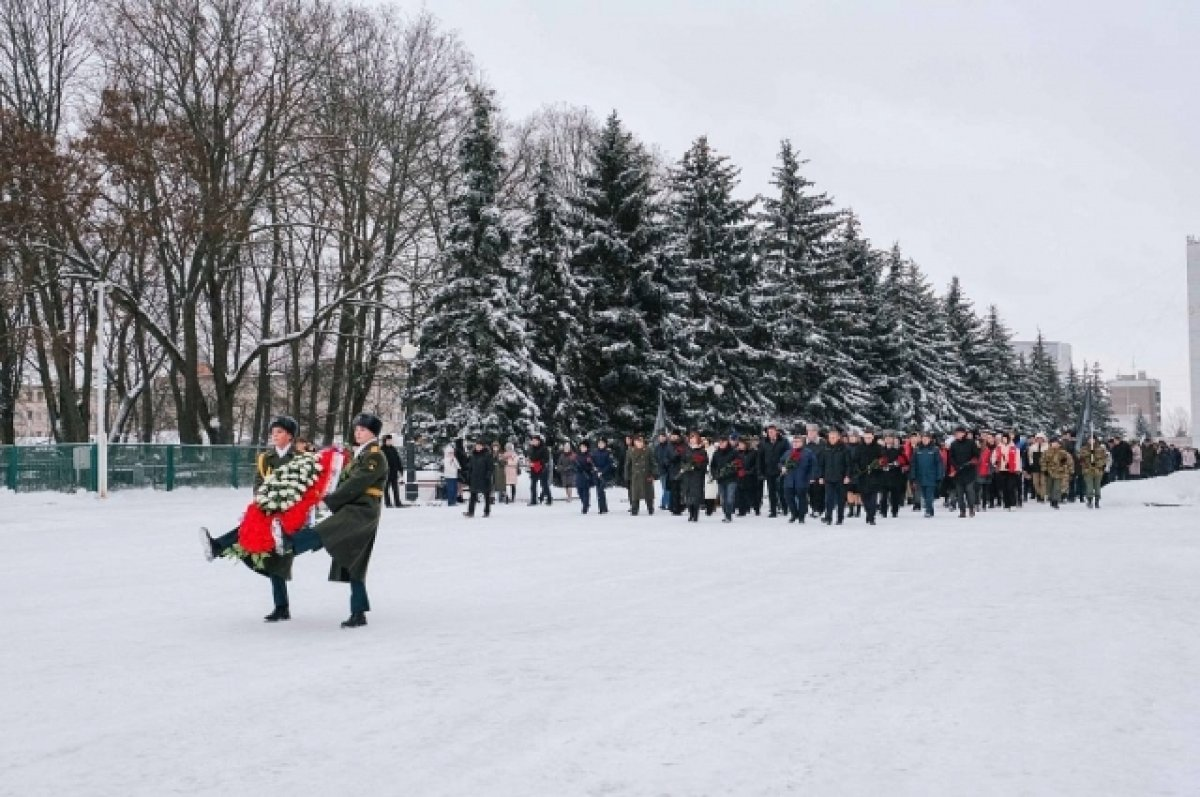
[409, 352]
[101, 389]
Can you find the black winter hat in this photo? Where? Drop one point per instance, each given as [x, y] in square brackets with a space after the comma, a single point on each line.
[287, 423]
[369, 422]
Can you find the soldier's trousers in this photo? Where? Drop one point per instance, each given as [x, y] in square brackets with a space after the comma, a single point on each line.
[541, 480]
[893, 498]
[306, 540]
[279, 591]
[795, 502]
[835, 498]
[964, 491]
[1092, 484]
[1054, 489]
[816, 497]
[773, 493]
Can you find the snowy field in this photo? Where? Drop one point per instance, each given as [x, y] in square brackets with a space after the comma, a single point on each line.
[544, 653]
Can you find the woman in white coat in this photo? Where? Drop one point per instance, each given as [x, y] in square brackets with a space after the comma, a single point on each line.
[711, 488]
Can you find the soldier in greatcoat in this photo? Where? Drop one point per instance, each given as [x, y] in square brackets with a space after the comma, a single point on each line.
[349, 533]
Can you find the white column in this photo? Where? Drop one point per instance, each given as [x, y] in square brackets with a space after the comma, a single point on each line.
[101, 389]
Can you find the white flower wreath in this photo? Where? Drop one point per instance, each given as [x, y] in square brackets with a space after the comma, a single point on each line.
[284, 488]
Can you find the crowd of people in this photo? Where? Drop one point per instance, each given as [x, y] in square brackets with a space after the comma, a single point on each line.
[824, 475]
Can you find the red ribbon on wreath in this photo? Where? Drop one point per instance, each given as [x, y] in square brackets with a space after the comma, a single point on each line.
[254, 535]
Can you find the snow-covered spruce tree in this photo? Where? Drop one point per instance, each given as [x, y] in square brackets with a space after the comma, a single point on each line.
[966, 333]
[1001, 383]
[473, 376]
[1030, 406]
[1072, 406]
[932, 383]
[802, 275]
[550, 304]
[1045, 387]
[1141, 427]
[712, 274]
[854, 382]
[1102, 411]
[615, 220]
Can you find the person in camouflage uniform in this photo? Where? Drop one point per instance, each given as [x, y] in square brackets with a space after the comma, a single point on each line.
[1093, 461]
[640, 466]
[1057, 465]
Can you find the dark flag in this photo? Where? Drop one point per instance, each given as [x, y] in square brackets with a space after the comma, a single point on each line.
[1086, 422]
[660, 420]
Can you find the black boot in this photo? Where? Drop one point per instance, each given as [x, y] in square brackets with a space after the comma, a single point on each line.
[357, 619]
[280, 613]
[208, 545]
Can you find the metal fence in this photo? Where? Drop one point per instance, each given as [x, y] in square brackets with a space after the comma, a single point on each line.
[72, 466]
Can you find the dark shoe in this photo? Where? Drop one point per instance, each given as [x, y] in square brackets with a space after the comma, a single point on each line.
[650, 511]
[487, 513]
[356, 620]
[972, 513]
[468, 514]
[209, 545]
[838, 523]
[827, 521]
[963, 512]
[928, 514]
[280, 613]
[727, 520]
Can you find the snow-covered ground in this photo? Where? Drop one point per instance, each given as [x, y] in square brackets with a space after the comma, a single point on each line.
[544, 653]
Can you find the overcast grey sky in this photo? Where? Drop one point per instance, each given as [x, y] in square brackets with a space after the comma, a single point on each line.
[1046, 152]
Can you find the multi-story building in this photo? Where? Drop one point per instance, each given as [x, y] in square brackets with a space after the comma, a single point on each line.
[1136, 394]
[1057, 351]
[385, 399]
[1193, 292]
[31, 419]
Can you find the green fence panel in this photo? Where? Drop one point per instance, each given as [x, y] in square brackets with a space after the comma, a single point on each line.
[72, 466]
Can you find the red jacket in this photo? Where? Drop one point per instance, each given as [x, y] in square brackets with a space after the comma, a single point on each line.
[985, 461]
[1006, 458]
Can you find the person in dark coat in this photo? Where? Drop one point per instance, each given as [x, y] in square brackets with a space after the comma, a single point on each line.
[964, 460]
[585, 475]
[868, 464]
[725, 464]
[605, 469]
[539, 471]
[693, 467]
[391, 494]
[927, 470]
[815, 442]
[893, 476]
[749, 482]
[349, 533]
[278, 569]
[480, 474]
[799, 466]
[1122, 456]
[770, 453]
[662, 464]
[640, 469]
[675, 456]
[833, 472]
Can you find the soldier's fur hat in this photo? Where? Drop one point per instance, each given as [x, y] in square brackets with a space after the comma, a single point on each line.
[287, 423]
[368, 422]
